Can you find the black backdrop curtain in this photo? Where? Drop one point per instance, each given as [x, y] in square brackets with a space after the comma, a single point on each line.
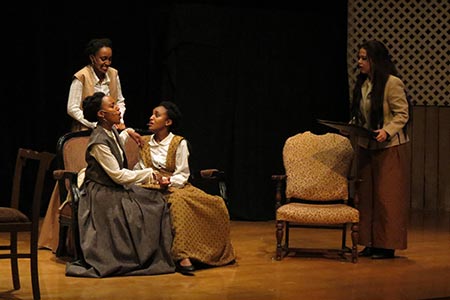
[245, 78]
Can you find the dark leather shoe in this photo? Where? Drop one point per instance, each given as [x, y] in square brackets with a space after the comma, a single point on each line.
[366, 252]
[383, 253]
[184, 269]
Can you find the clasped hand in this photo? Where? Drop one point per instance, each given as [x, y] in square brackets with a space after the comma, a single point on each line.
[161, 180]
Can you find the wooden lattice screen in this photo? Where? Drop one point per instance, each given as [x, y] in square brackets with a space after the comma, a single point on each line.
[417, 33]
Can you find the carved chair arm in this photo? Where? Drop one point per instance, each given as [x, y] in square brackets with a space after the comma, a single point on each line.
[68, 186]
[212, 174]
[280, 186]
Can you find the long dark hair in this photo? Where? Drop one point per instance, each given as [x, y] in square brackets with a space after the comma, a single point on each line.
[381, 67]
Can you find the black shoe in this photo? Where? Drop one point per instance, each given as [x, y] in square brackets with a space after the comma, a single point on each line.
[381, 253]
[366, 252]
[184, 269]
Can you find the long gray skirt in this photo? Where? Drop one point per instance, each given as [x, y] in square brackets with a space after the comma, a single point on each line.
[123, 232]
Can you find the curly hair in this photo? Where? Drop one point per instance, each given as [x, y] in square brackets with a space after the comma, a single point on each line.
[91, 105]
[94, 45]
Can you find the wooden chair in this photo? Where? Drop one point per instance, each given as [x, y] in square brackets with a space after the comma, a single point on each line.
[70, 153]
[13, 220]
[314, 192]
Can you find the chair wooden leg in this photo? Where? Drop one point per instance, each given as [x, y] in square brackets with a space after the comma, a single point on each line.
[34, 269]
[286, 236]
[344, 237]
[61, 250]
[279, 235]
[355, 237]
[35, 277]
[14, 262]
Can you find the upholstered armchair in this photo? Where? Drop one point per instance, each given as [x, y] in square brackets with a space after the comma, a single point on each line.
[314, 192]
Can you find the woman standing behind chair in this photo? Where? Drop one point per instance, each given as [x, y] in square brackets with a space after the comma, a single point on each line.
[200, 221]
[124, 229]
[379, 104]
[98, 76]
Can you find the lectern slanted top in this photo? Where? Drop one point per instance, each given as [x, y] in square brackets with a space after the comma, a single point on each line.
[351, 129]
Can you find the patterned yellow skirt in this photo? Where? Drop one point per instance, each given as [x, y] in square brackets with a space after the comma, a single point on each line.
[201, 226]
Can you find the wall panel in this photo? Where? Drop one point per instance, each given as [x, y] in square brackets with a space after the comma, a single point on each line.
[417, 158]
[430, 158]
[444, 159]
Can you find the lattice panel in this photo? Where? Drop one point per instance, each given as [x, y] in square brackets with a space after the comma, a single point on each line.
[417, 34]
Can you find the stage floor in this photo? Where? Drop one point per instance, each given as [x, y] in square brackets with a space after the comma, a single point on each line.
[420, 272]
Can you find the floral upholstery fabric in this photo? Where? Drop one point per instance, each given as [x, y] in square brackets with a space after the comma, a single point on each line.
[317, 166]
[318, 214]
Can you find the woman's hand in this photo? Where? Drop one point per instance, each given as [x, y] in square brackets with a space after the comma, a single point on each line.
[161, 180]
[382, 135]
[136, 137]
[120, 126]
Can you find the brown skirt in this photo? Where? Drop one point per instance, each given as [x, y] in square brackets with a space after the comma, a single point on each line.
[384, 195]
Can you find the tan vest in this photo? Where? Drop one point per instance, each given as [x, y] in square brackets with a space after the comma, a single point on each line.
[171, 154]
[87, 78]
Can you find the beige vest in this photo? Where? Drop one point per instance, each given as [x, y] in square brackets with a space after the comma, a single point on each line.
[87, 78]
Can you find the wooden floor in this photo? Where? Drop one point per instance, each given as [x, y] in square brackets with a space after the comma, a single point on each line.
[420, 272]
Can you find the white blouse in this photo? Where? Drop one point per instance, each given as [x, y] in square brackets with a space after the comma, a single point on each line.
[366, 90]
[159, 156]
[109, 163]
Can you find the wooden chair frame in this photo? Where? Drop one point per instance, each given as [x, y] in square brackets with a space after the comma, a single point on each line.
[18, 222]
[66, 180]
